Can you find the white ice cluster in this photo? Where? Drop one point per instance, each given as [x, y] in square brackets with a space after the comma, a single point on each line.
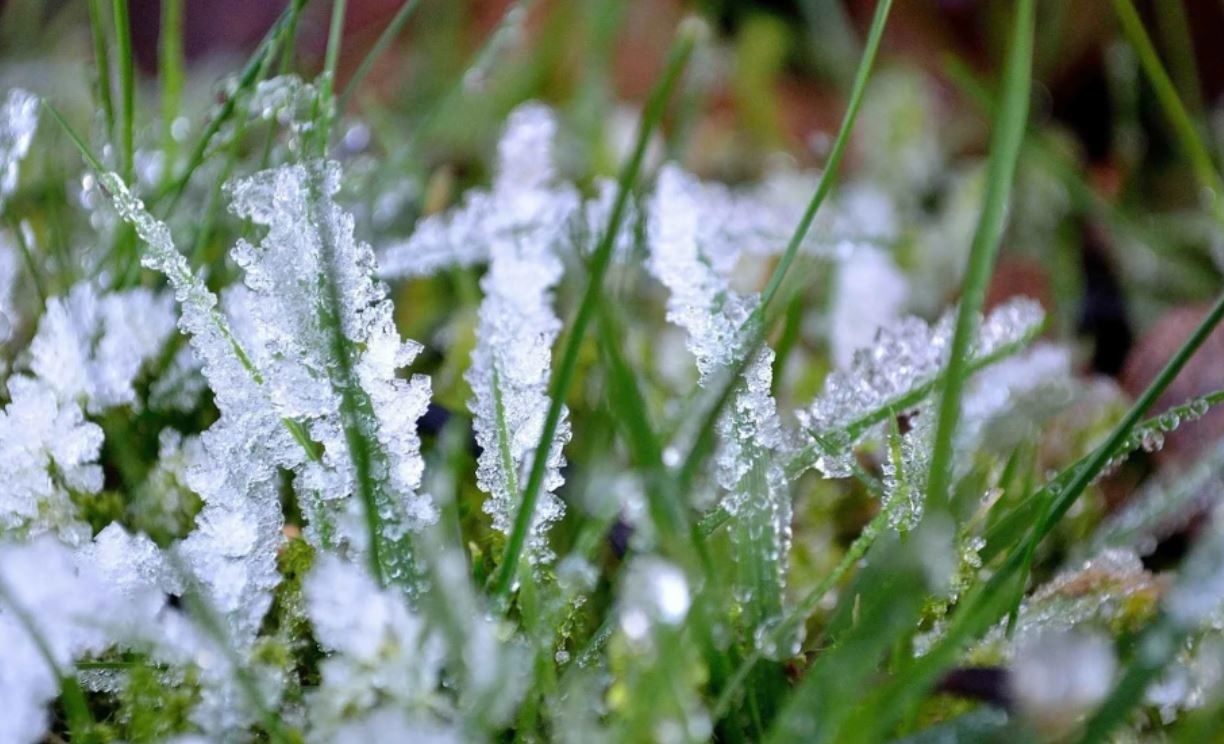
[517, 326]
[906, 356]
[18, 122]
[525, 198]
[380, 655]
[84, 358]
[748, 465]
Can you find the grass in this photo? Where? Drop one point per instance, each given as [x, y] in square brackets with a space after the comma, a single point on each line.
[678, 56]
[854, 643]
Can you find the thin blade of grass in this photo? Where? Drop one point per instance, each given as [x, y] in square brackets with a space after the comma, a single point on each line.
[1007, 135]
[990, 600]
[255, 69]
[101, 51]
[1185, 131]
[682, 48]
[170, 70]
[127, 88]
[385, 39]
[325, 109]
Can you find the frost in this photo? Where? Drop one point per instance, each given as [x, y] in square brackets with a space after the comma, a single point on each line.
[18, 121]
[79, 604]
[525, 198]
[90, 349]
[905, 356]
[515, 333]
[378, 649]
[309, 282]
[750, 432]
[49, 451]
[277, 370]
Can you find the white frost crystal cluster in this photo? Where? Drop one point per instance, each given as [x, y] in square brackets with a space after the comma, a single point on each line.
[525, 198]
[380, 653]
[749, 466]
[517, 326]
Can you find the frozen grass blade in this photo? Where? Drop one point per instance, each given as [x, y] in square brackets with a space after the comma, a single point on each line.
[989, 601]
[1184, 128]
[761, 319]
[681, 50]
[1006, 138]
[385, 40]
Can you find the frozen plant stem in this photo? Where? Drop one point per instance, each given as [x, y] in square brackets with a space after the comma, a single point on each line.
[682, 48]
[1006, 138]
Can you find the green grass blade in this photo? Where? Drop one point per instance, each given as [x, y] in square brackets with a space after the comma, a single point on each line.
[256, 68]
[1184, 129]
[325, 110]
[171, 71]
[127, 88]
[989, 601]
[829, 175]
[1006, 138]
[385, 39]
[682, 48]
[101, 51]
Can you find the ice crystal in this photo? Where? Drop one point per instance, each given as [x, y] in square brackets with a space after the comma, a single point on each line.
[515, 333]
[905, 356]
[78, 604]
[278, 362]
[378, 649]
[525, 197]
[49, 452]
[89, 348]
[713, 316]
[18, 120]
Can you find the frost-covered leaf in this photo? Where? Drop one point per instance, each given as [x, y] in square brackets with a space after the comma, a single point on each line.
[906, 357]
[748, 466]
[515, 333]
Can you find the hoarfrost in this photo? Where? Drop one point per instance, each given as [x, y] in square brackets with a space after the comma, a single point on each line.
[525, 197]
[905, 356]
[515, 333]
[701, 302]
